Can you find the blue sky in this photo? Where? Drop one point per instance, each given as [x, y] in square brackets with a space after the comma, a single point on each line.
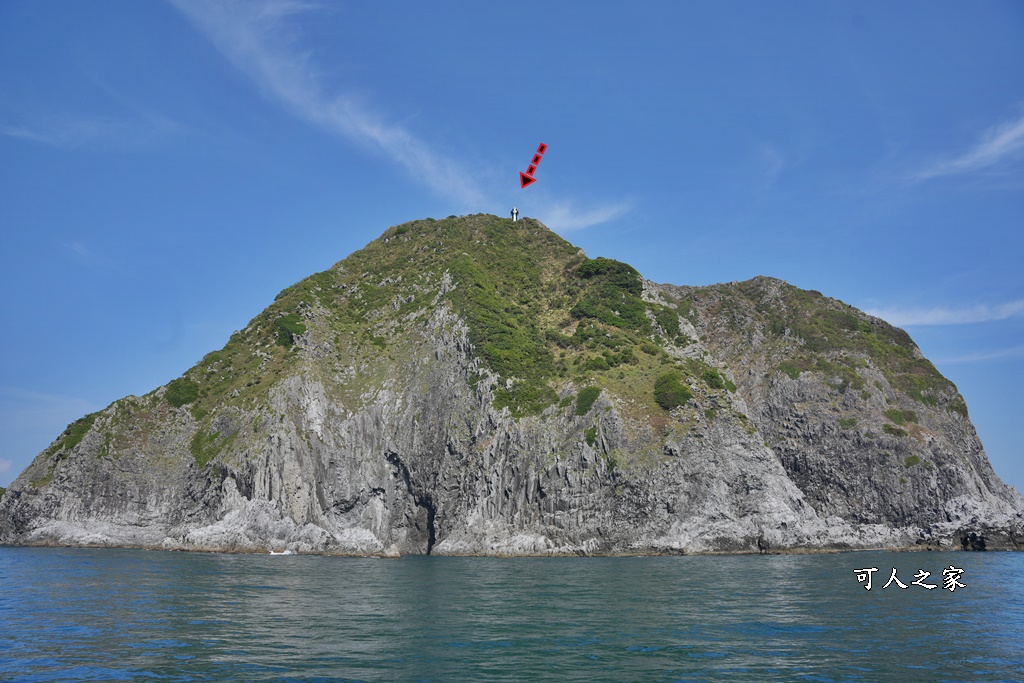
[167, 167]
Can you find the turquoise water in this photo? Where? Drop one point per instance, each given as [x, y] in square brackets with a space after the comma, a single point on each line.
[74, 615]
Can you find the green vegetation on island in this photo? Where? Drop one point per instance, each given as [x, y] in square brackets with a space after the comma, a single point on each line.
[543, 320]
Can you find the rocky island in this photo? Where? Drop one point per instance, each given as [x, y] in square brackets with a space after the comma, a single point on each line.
[478, 386]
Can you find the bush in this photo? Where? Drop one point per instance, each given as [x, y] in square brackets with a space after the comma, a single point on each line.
[287, 327]
[669, 391]
[893, 430]
[181, 391]
[612, 295]
[526, 397]
[901, 417]
[77, 430]
[790, 369]
[911, 460]
[621, 275]
[204, 447]
[591, 435]
[586, 399]
[713, 379]
[668, 320]
[848, 422]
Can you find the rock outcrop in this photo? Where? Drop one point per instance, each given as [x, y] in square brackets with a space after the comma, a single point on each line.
[477, 386]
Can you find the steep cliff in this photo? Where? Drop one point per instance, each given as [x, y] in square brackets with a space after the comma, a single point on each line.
[478, 386]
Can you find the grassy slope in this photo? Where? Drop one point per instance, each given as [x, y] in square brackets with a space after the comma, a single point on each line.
[815, 333]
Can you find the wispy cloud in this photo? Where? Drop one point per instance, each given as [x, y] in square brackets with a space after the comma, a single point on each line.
[941, 315]
[79, 249]
[1012, 352]
[5, 466]
[59, 134]
[564, 216]
[998, 144]
[70, 132]
[255, 38]
[86, 256]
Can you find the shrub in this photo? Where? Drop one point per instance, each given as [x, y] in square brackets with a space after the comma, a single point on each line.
[848, 422]
[730, 386]
[287, 327]
[911, 460]
[958, 406]
[893, 430]
[711, 413]
[901, 417]
[77, 430]
[527, 397]
[612, 295]
[181, 391]
[669, 322]
[669, 391]
[586, 400]
[713, 379]
[621, 275]
[591, 435]
[790, 369]
[204, 447]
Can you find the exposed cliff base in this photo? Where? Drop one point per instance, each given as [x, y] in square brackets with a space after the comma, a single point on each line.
[475, 386]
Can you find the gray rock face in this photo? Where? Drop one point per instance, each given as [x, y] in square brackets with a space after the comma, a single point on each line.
[404, 451]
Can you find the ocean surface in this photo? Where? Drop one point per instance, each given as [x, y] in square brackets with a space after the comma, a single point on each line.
[83, 615]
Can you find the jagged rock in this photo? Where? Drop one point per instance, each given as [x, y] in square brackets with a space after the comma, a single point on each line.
[438, 407]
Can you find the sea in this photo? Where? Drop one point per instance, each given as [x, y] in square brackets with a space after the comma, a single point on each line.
[136, 615]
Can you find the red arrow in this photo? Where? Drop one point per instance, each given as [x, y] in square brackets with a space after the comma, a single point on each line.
[527, 178]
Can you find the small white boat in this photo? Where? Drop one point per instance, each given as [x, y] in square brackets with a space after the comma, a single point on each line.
[283, 552]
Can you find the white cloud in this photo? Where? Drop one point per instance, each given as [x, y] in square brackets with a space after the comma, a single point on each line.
[79, 249]
[5, 465]
[998, 144]
[1012, 352]
[564, 217]
[70, 133]
[255, 38]
[261, 39]
[59, 134]
[86, 256]
[941, 315]
[24, 133]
